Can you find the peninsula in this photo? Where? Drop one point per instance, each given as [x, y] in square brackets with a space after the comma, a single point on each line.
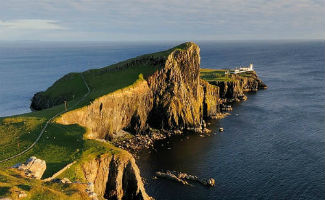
[86, 124]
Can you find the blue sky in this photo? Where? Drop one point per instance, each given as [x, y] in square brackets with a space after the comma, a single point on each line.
[137, 20]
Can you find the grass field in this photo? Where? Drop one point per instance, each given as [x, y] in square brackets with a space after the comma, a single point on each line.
[107, 79]
[219, 75]
[215, 75]
[37, 190]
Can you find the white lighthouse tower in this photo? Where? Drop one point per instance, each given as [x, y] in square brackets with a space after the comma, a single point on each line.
[251, 67]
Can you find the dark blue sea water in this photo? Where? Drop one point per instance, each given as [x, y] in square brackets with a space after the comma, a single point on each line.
[273, 143]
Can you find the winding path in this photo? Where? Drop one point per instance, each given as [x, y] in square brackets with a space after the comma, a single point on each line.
[48, 122]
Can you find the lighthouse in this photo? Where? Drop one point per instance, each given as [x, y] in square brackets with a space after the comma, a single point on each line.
[251, 67]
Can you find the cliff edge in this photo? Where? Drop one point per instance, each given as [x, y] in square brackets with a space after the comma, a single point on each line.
[165, 91]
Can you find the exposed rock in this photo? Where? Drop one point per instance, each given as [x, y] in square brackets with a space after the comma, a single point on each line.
[32, 168]
[173, 98]
[65, 181]
[182, 177]
[170, 99]
[177, 92]
[211, 101]
[22, 194]
[114, 177]
[233, 91]
[171, 176]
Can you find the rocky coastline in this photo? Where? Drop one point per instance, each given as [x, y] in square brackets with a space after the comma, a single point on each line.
[171, 101]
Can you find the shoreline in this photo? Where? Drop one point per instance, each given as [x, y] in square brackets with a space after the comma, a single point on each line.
[167, 94]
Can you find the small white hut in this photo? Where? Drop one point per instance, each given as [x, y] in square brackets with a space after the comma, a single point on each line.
[247, 69]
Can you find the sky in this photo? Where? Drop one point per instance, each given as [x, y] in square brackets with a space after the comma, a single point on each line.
[153, 20]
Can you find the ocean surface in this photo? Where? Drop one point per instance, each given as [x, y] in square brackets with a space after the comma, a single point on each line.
[273, 143]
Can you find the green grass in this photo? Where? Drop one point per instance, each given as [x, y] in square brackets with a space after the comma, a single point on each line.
[215, 75]
[35, 189]
[73, 87]
[17, 133]
[102, 83]
[108, 79]
[211, 75]
[58, 146]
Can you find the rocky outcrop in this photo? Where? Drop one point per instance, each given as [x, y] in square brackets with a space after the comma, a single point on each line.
[184, 178]
[211, 100]
[231, 91]
[171, 99]
[126, 108]
[115, 177]
[32, 168]
[178, 95]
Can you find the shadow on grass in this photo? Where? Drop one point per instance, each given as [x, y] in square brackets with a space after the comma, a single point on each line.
[52, 168]
[4, 191]
[24, 187]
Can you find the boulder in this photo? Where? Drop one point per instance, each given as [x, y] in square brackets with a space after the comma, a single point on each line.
[32, 168]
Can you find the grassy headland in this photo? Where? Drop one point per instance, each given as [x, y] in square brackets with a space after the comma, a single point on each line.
[63, 144]
[221, 75]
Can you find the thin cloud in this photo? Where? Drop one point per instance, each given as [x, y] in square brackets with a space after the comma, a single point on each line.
[31, 24]
[175, 19]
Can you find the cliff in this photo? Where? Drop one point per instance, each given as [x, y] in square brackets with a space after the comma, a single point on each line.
[234, 90]
[171, 98]
[165, 91]
[115, 177]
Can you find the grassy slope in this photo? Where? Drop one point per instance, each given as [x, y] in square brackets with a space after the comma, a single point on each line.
[219, 75]
[105, 80]
[60, 144]
[10, 182]
[214, 75]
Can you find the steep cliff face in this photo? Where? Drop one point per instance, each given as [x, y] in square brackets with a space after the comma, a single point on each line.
[107, 115]
[115, 177]
[211, 101]
[234, 90]
[171, 98]
[177, 92]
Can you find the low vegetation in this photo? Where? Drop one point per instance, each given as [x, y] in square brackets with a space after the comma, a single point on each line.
[215, 75]
[221, 75]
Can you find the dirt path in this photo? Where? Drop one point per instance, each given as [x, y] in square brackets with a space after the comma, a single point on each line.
[47, 123]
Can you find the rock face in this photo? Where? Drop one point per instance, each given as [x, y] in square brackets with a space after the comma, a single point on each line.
[211, 100]
[178, 95]
[173, 98]
[183, 178]
[121, 109]
[115, 177]
[32, 168]
[234, 90]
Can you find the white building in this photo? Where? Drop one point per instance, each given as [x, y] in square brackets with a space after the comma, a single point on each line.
[244, 69]
[247, 69]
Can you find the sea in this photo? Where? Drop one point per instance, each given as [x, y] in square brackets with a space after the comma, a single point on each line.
[272, 146]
